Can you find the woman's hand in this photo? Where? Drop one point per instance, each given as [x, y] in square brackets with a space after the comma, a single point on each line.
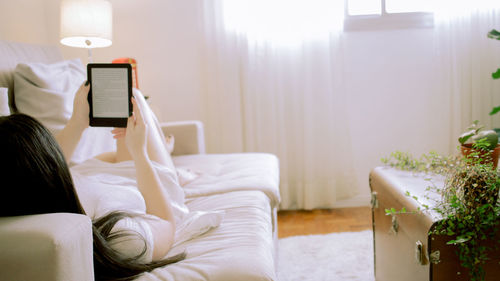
[80, 116]
[119, 133]
[70, 135]
[135, 134]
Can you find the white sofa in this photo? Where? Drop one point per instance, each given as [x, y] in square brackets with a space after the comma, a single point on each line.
[245, 186]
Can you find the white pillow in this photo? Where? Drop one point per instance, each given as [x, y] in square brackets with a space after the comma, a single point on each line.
[4, 102]
[46, 92]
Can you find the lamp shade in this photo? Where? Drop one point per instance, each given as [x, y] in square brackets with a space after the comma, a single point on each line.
[86, 23]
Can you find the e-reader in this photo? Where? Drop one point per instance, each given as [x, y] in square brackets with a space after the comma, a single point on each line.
[110, 93]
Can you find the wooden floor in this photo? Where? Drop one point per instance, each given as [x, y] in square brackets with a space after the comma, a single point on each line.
[291, 223]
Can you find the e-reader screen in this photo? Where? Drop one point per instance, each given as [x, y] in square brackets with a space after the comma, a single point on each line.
[110, 93]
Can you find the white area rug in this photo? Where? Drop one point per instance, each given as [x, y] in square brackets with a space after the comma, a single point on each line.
[329, 257]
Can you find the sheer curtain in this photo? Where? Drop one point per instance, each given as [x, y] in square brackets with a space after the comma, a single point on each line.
[272, 82]
[468, 58]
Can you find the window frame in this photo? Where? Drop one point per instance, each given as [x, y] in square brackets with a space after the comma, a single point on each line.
[386, 20]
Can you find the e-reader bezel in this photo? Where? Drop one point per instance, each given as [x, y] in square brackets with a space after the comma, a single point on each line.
[120, 122]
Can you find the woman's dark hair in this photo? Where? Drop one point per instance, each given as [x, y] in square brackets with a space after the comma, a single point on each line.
[40, 182]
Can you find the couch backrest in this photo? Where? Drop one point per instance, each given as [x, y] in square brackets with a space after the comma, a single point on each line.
[12, 53]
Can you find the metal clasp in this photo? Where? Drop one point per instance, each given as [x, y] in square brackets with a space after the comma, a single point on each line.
[420, 253]
[374, 200]
[394, 225]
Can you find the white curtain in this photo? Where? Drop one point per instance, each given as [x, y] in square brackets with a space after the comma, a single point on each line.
[272, 82]
[468, 58]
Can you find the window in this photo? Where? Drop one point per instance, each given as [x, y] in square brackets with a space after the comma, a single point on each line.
[387, 14]
[283, 22]
[288, 22]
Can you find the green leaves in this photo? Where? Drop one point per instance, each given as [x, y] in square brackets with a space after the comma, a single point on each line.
[494, 34]
[496, 75]
[466, 136]
[390, 211]
[427, 163]
[495, 110]
[459, 240]
[486, 140]
[393, 211]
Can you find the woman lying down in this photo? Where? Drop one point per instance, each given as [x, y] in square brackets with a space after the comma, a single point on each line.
[125, 243]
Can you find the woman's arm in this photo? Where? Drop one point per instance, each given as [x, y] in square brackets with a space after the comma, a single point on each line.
[70, 135]
[148, 182]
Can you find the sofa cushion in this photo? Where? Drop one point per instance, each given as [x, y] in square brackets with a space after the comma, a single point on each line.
[220, 173]
[46, 247]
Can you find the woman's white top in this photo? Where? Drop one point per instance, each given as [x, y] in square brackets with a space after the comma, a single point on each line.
[139, 238]
[104, 187]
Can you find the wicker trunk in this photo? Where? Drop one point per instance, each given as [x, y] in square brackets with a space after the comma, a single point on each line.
[404, 250]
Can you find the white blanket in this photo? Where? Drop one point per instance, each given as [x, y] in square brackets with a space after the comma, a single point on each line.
[241, 187]
[241, 248]
[245, 187]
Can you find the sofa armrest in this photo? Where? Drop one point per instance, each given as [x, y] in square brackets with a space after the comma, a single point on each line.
[46, 247]
[189, 136]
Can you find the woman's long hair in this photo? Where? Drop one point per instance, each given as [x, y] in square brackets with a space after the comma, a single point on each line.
[39, 182]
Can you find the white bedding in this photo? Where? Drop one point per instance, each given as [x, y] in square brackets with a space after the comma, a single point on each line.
[242, 247]
[242, 187]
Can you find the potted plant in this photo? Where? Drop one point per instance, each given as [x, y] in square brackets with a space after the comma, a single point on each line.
[468, 204]
[477, 142]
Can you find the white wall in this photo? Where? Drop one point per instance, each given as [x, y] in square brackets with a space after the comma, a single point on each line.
[391, 80]
[24, 21]
[159, 34]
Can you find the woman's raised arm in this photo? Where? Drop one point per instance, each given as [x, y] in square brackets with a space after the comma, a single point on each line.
[148, 183]
[70, 135]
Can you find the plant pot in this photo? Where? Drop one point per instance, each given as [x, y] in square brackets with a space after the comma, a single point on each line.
[488, 156]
